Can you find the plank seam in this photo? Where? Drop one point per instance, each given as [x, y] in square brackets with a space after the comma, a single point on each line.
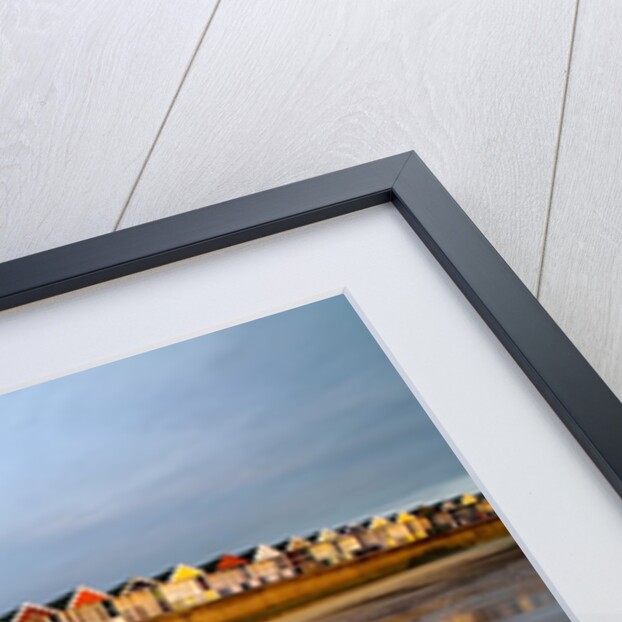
[547, 218]
[166, 116]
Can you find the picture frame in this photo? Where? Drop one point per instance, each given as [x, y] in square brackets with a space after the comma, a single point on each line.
[571, 387]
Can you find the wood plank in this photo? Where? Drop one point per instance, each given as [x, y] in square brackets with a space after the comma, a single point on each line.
[582, 275]
[282, 91]
[84, 87]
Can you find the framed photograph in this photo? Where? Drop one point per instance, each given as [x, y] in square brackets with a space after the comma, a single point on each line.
[328, 401]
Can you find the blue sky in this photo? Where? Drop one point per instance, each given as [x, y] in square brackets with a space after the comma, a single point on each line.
[279, 426]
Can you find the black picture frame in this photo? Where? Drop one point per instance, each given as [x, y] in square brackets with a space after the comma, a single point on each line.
[572, 388]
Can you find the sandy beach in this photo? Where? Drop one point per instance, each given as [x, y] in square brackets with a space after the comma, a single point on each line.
[492, 581]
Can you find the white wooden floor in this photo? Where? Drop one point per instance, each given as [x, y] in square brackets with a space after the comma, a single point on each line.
[116, 113]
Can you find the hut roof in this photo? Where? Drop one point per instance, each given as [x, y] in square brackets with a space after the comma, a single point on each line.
[228, 561]
[77, 598]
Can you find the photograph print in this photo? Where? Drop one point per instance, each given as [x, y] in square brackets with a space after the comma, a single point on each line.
[280, 469]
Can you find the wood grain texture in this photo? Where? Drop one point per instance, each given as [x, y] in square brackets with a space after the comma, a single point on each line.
[84, 87]
[283, 91]
[582, 270]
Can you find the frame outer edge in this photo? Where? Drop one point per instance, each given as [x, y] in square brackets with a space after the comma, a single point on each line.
[120, 253]
[565, 379]
[572, 388]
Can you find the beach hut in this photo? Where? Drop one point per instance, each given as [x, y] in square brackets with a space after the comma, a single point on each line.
[299, 559]
[483, 506]
[268, 564]
[416, 526]
[295, 543]
[323, 548]
[326, 535]
[135, 584]
[369, 539]
[467, 515]
[449, 505]
[29, 612]
[349, 544]
[227, 574]
[265, 551]
[381, 527]
[443, 521]
[398, 531]
[84, 604]
[183, 586]
[136, 600]
[468, 499]
[423, 514]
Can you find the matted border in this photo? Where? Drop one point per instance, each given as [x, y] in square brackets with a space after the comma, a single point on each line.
[572, 388]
